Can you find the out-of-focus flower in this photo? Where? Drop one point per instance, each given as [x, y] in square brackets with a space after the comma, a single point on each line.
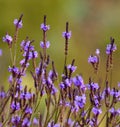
[110, 48]
[7, 38]
[18, 23]
[44, 45]
[96, 111]
[67, 34]
[92, 59]
[0, 52]
[44, 27]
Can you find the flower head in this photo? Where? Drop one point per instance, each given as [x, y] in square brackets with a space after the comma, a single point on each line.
[15, 105]
[15, 120]
[96, 111]
[92, 59]
[97, 51]
[80, 101]
[44, 45]
[26, 122]
[71, 67]
[18, 23]
[7, 39]
[44, 27]
[110, 48]
[66, 34]
[35, 121]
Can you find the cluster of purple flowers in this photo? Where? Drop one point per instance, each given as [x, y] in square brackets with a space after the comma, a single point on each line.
[69, 102]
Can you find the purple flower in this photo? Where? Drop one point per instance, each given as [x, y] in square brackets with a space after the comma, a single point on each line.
[15, 105]
[15, 120]
[0, 52]
[2, 94]
[26, 96]
[66, 34]
[44, 45]
[62, 85]
[54, 90]
[97, 51]
[18, 23]
[51, 124]
[96, 111]
[68, 82]
[80, 101]
[92, 59]
[71, 67]
[34, 54]
[44, 27]
[110, 48]
[25, 45]
[14, 70]
[10, 79]
[70, 122]
[26, 122]
[93, 85]
[35, 121]
[28, 110]
[78, 80]
[22, 62]
[7, 39]
[115, 93]
[119, 84]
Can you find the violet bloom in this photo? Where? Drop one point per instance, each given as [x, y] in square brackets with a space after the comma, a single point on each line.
[15, 105]
[97, 51]
[44, 45]
[110, 48]
[22, 62]
[92, 59]
[66, 34]
[15, 120]
[114, 111]
[18, 23]
[26, 96]
[51, 124]
[28, 110]
[68, 82]
[2, 94]
[93, 85]
[80, 101]
[26, 122]
[54, 90]
[78, 80]
[25, 45]
[44, 27]
[13, 70]
[62, 85]
[96, 111]
[7, 39]
[0, 52]
[35, 121]
[71, 67]
[115, 93]
[34, 54]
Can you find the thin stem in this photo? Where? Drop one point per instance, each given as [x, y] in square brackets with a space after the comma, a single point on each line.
[11, 56]
[15, 46]
[102, 119]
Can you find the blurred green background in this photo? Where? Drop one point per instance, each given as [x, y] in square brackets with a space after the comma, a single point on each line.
[92, 23]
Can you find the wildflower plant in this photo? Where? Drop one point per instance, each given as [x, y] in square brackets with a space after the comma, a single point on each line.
[69, 102]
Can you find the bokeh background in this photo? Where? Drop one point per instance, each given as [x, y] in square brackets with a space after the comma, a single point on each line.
[92, 22]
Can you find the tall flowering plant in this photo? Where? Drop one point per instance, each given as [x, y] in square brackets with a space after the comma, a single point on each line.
[69, 102]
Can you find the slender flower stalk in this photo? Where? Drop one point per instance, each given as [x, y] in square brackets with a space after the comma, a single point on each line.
[67, 36]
